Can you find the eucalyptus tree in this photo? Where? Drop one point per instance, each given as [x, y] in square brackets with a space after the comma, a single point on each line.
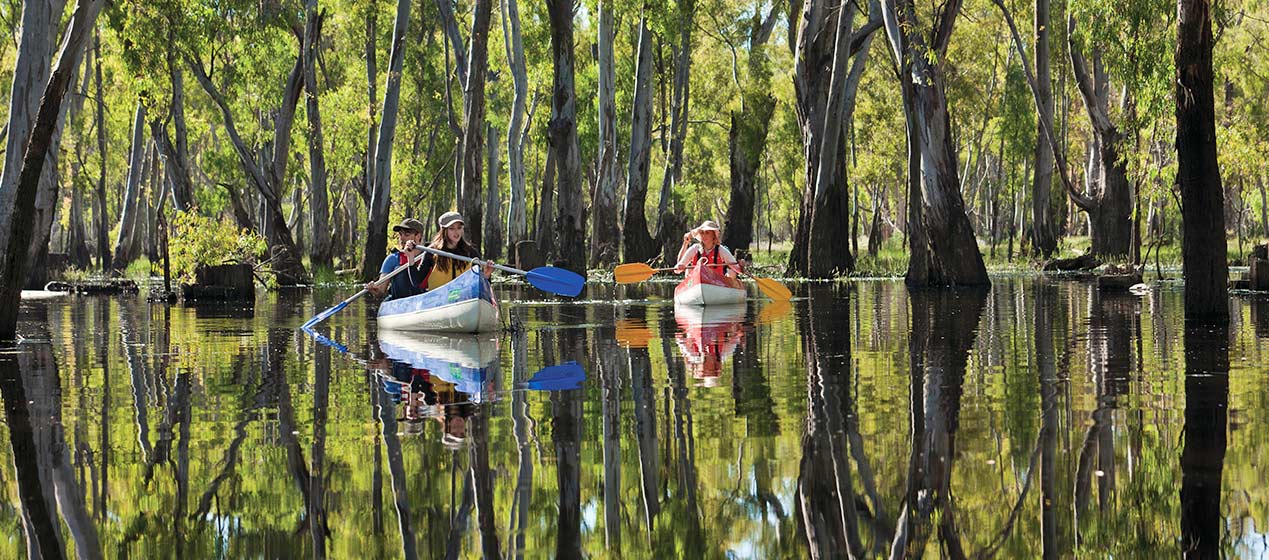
[747, 137]
[1043, 225]
[380, 194]
[826, 80]
[122, 254]
[18, 234]
[637, 243]
[30, 73]
[570, 225]
[264, 166]
[517, 132]
[473, 82]
[941, 243]
[680, 102]
[605, 236]
[1198, 171]
[319, 207]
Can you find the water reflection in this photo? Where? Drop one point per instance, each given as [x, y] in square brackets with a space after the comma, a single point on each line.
[1203, 457]
[48, 491]
[1040, 420]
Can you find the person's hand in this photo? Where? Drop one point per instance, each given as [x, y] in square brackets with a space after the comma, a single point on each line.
[742, 265]
[410, 245]
[487, 269]
[687, 237]
[376, 288]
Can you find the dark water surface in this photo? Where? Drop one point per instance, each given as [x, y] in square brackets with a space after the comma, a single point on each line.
[1041, 419]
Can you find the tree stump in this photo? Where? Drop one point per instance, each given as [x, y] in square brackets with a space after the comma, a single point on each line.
[528, 256]
[1259, 274]
[226, 282]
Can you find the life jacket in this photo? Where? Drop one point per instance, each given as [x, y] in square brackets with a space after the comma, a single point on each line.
[437, 278]
[402, 258]
[714, 257]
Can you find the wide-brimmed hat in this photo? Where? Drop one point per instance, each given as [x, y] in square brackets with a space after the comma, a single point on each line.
[447, 219]
[708, 225]
[409, 224]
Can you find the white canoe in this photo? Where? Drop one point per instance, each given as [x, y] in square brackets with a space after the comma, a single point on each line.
[465, 305]
[704, 286]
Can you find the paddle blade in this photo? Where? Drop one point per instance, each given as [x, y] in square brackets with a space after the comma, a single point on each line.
[323, 315]
[632, 333]
[556, 280]
[560, 377]
[773, 289]
[632, 272]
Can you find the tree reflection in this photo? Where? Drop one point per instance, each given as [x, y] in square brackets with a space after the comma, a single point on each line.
[1113, 327]
[1203, 457]
[30, 385]
[944, 325]
[566, 429]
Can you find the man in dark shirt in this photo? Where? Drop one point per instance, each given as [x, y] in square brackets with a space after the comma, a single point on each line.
[410, 281]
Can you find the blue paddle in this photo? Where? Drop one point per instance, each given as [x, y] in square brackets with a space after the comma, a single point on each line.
[546, 278]
[559, 377]
[341, 305]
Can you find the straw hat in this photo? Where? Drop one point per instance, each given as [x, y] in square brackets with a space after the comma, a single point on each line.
[708, 225]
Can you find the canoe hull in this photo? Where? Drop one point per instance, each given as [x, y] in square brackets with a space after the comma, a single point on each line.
[465, 305]
[704, 286]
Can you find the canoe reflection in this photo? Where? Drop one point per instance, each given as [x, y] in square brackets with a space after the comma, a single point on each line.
[445, 377]
[707, 336]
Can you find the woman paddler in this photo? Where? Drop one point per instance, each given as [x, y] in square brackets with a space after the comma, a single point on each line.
[434, 271]
[708, 252]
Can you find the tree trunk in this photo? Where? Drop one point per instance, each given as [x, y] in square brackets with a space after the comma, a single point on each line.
[1198, 171]
[128, 211]
[368, 178]
[943, 250]
[747, 138]
[605, 235]
[377, 223]
[493, 226]
[570, 221]
[477, 65]
[37, 147]
[30, 75]
[544, 220]
[99, 199]
[667, 213]
[319, 207]
[826, 81]
[1043, 230]
[637, 243]
[517, 226]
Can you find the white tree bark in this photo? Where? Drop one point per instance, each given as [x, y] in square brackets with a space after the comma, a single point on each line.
[605, 235]
[517, 224]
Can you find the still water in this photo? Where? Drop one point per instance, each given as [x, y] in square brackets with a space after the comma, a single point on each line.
[1040, 419]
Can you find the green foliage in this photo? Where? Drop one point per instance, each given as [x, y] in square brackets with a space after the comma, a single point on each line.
[199, 240]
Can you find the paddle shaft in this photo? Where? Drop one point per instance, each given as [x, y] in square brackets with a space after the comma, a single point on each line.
[473, 260]
[323, 315]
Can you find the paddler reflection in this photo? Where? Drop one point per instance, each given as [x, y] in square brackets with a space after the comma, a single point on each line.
[707, 336]
[438, 377]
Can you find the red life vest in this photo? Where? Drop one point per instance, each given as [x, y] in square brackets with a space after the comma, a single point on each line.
[402, 259]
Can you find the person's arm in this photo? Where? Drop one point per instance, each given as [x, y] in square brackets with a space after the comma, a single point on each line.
[687, 241]
[730, 259]
[686, 257]
[388, 265]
